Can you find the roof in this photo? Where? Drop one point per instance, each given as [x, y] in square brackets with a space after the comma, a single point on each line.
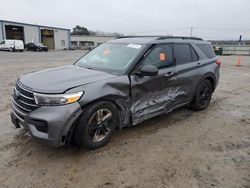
[137, 40]
[108, 36]
[13, 22]
[155, 39]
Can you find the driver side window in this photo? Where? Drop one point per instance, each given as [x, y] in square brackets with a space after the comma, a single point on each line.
[161, 56]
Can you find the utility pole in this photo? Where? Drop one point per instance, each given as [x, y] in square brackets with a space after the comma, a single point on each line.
[240, 40]
[191, 31]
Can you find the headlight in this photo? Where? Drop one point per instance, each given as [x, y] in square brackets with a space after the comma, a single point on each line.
[57, 99]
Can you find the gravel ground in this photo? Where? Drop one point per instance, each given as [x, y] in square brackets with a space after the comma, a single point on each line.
[210, 148]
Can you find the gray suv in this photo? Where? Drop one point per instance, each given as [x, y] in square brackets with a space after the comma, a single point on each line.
[118, 84]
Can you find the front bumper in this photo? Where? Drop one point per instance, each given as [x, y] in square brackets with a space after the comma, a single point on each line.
[50, 124]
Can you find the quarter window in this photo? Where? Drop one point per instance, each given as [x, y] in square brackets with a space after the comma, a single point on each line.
[207, 50]
[161, 56]
[182, 53]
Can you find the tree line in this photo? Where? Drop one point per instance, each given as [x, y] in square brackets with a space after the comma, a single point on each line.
[80, 30]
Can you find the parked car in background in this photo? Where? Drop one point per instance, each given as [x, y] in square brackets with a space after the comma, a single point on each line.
[12, 45]
[118, 84]
[36, 47]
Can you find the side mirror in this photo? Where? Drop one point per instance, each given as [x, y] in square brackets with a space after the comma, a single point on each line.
[149, 70]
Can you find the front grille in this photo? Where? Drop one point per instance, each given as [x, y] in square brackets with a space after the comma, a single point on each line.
[24, 99]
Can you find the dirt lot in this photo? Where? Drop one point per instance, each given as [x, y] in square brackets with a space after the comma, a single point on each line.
[182, 149]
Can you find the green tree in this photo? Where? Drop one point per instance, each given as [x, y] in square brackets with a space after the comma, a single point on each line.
[79, 30]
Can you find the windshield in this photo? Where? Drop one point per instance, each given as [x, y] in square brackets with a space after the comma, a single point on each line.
[110, 57]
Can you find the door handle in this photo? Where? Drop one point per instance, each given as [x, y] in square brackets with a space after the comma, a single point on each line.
[169, 74]
[198, 64]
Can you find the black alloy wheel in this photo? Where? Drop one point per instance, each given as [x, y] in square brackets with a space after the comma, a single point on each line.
[203, 96]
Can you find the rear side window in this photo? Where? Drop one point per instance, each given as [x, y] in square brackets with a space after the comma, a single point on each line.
[3, 42]
[182, 53]
[207, 50]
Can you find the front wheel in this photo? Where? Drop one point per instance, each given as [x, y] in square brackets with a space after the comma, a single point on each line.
[96, 125]
[203, 96]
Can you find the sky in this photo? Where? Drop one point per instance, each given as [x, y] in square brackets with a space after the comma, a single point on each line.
[210, 19]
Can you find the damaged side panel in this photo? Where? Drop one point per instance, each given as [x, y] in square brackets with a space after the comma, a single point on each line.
[141, 97]
[161, 102]
[154, 95]
[116, 90]
[138, 97]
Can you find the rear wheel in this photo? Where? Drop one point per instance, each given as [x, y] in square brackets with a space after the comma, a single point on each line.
[96, 125]
[203, 96]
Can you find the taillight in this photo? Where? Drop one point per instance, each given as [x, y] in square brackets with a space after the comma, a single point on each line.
[218, 62]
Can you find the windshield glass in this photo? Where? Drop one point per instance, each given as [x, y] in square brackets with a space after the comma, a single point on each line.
[110, 57]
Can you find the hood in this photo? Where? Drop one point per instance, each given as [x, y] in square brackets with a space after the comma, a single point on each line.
[60, 79]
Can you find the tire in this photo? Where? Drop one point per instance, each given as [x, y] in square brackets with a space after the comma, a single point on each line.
[203, 96]
[88, 128]
[11, 49]
[37, 49]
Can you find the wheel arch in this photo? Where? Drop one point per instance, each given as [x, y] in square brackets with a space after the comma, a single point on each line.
[122, 105]
[211, 78]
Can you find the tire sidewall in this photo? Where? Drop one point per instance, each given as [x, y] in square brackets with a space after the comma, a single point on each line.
[81, 131]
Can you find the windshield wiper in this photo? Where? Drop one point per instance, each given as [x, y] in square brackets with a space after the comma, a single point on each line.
[85, 67]
[88, 68]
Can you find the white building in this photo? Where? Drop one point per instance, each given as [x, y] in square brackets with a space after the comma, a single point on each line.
[53, 37]
[88, 41]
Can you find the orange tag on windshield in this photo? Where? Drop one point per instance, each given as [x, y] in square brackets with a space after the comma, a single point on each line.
[106, 52]
[162, 57]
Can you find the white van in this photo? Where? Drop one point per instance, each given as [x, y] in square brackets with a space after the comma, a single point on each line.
[12, 45]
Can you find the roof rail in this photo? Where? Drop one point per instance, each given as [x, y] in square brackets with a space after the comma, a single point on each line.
[160, 37]
[179, 37]
[137, 36]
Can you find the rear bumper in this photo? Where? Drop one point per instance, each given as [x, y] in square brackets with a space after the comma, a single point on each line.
[49, 124]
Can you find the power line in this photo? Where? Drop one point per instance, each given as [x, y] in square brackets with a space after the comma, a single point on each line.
[204, 32]
[165, 30]
[223, 29]
[191, 29]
